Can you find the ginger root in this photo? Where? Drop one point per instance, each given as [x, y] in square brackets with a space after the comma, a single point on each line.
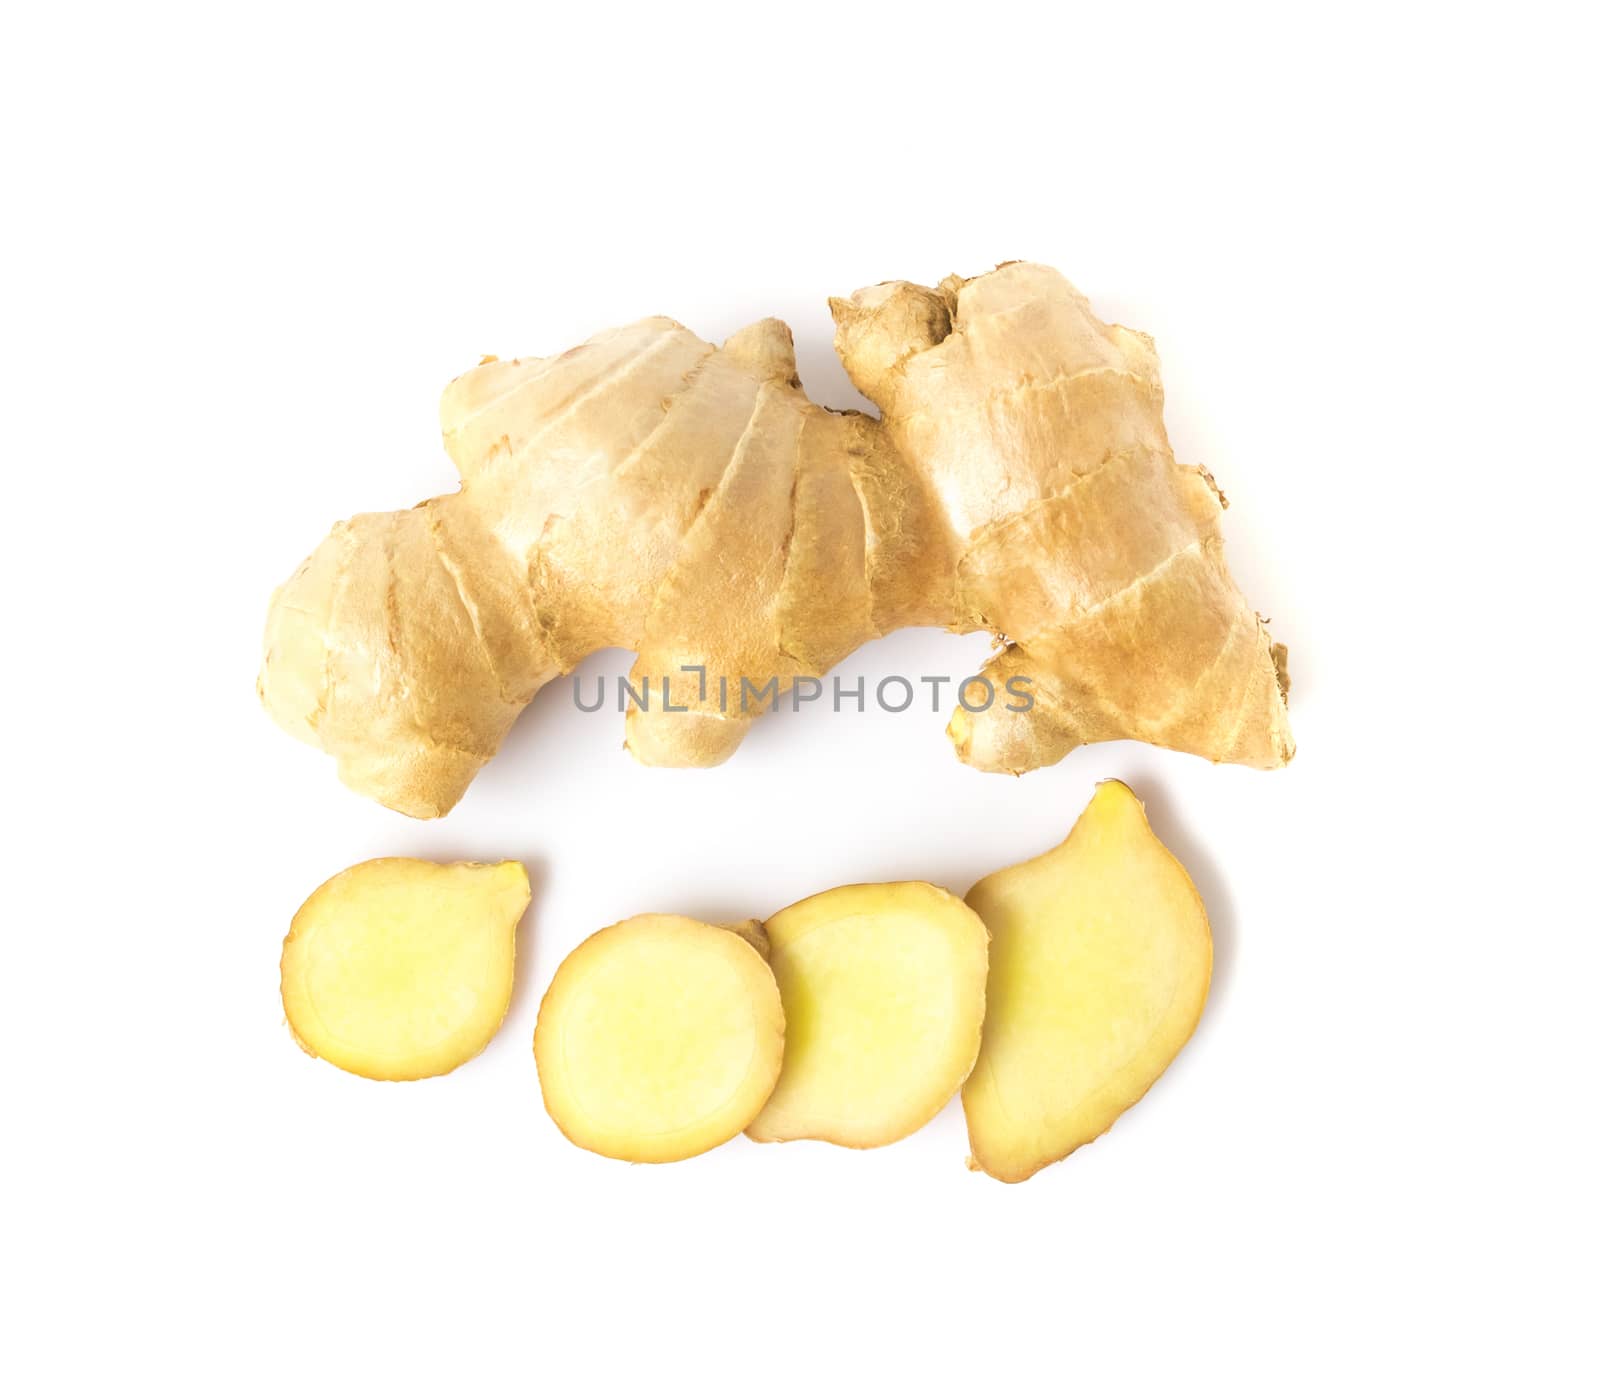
[659, 1038]
[649, 490]
[399, 969]
[883, 989]
[1099, 963]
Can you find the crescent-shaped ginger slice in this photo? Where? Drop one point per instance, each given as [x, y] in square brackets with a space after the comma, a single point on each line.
[1099, 963]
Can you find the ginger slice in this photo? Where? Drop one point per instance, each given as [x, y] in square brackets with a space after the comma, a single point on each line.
[1099, 963]
[883, 993]
[399, 969]
[659, 1038]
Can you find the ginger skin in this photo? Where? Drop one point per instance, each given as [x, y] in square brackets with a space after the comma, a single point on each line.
[649, 490]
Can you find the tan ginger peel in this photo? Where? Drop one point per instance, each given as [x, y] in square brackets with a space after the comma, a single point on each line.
[650, 490]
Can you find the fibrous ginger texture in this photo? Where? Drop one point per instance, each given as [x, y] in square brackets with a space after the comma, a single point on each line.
[652, 491]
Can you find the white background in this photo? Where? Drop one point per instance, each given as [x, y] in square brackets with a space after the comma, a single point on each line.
[245, 247]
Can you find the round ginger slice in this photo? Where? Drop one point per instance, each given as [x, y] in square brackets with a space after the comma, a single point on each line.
[883, 991]
[659, 1038]
[399, 969]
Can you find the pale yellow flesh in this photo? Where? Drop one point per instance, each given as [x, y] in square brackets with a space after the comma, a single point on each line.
[399, 969]
[883, 994]
[652, 491]
[659, 1038]
[1099, 963]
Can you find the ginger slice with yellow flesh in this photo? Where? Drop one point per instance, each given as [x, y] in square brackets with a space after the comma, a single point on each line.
[659, 1038]
[399, 969]
[649, 490]
[883, 991]
[1099, 963]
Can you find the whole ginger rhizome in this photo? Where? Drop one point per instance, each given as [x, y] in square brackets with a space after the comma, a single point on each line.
[650, 490]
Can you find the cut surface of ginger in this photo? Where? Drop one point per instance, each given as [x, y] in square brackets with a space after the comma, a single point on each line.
[1099, 964]
[659, 1038]
[398, 969]
[883, 994]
